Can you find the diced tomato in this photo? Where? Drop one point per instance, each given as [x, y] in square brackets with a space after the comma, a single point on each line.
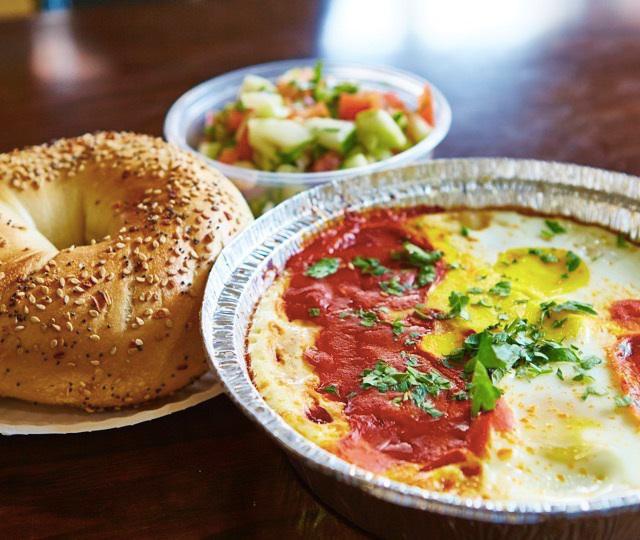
[234, 119]
[315, 110]
[351, 104]
[229, 156]
[394, 102]
[243, 149]
[425, 105]
[326, 162]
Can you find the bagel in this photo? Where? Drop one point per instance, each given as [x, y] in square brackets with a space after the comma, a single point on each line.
[106, 241]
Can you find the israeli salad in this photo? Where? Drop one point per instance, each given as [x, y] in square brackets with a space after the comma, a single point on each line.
[305, 123]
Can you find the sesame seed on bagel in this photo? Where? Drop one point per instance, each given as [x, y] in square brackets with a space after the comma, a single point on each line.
[106, 241]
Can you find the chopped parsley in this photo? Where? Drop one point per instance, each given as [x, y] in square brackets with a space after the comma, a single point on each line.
[314, 312]
[397, 327]
[518, 346]
[323, 268]
[414, 385]
[393, 286]
[591, 391]
[369, 265]
[621, 241]
[573, 261]
[623, 401]
[424, 261]
[545, 256]
[572, 306]
[331, 389]
[457, 305]
[553, 228]
[368, 319]
[502, 288]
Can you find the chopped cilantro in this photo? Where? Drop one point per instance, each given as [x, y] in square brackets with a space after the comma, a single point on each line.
[314, 312]
[502, 288]
[369, 265]
[559, 374]
[474, 290]
[553, 228]
[344, 314]
[323, 268]
[464, 231]
[392, 286]
[414, 385]
[482, 303]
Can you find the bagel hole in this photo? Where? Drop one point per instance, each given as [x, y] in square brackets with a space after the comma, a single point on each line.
[66, 219]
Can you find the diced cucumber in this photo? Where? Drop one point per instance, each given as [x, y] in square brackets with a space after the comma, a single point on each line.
[210, 149]
[333, 134]
[378, 154]
[255, 83]
[265, 104]
[417, 128]
[270, 137]
[244, 164]
[356, 160]
[287, 168]
[377, 130]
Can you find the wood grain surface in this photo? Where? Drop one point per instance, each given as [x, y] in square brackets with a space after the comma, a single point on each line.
[538, 78]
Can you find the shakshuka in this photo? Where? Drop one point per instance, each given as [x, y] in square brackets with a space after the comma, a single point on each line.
[485, 353]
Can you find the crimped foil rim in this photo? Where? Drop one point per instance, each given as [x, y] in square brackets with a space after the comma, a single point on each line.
[253, 255]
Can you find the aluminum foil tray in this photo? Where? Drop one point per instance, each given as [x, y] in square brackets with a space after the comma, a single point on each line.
[246, 268]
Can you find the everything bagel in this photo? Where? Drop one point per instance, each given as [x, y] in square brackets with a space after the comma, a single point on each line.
[106, 241]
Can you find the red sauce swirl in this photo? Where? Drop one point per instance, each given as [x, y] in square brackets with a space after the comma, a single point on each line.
[383, 430]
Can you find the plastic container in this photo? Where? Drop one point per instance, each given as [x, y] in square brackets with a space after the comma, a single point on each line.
[184, 124]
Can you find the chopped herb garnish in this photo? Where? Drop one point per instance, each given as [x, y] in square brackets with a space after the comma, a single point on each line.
[331, 389]
[369, 265]
[484, 395]
[482, 303]
[457, 304]
[464, 231]
[344, 314]
[323, 268]
[520, 346]
[393, 286]
[623, 401]
[314, 312]
[474, 290]
[545, 256]
[460, 396]
[397, 327]
[573, 261]
[572, 306]
[368, 319]
[423, 260]
[591, 391]
[559, 374]
[502, 288]
[621, 241]
[414, 385]
[553, 228]
[558, 323]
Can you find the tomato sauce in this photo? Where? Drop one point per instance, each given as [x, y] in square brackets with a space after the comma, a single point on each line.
[382, 428]
[626, 354]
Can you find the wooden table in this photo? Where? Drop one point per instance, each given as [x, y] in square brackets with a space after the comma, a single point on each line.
[540, 78]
